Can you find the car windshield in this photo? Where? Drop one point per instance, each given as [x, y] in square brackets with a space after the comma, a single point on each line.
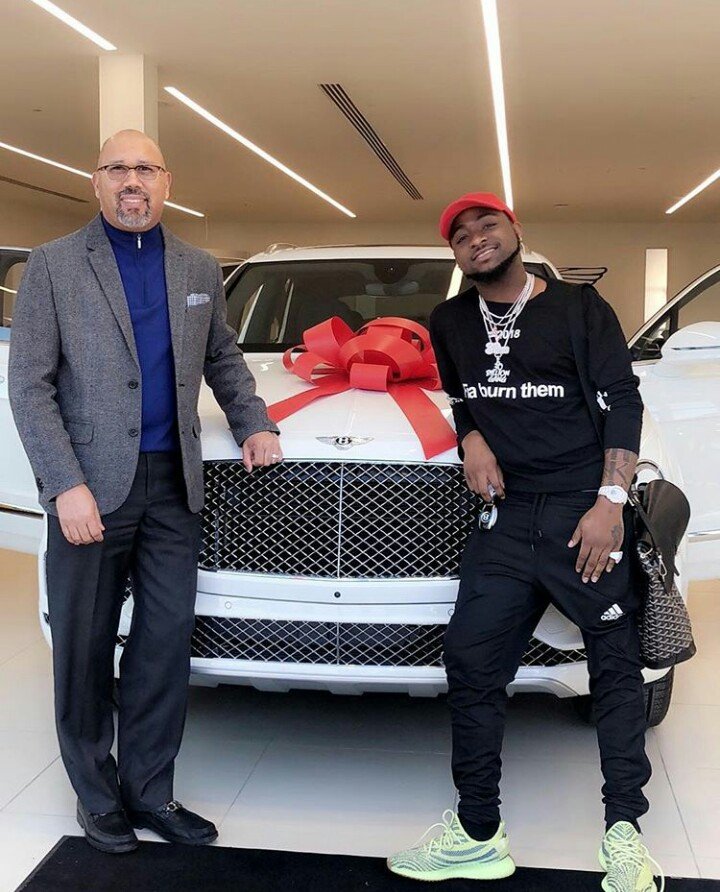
[270, 305]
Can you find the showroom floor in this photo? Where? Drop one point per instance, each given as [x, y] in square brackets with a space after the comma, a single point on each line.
[316, 772]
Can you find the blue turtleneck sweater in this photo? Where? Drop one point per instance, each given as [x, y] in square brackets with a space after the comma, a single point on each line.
[141, 260]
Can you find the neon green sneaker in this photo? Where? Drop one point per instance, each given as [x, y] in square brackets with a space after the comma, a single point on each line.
[454, 855]
[626, 861]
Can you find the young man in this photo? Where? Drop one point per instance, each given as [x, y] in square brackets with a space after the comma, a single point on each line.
[114, 328]
[528, 441]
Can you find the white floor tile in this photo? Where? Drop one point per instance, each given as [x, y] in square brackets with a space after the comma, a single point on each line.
[210, 772]
[50, 794]
[677, 866]
[18, 579]
[690, 737]
[26, 691]
[709, 868]
[209, 775]
[543, 727]
[24, 842]
[704, 601]
[326, 799]
[312, 771]
[698, 796]
[310, 718]
[23, 756]
[19, 628]
[696, 681]
[707, 635]
[558, 807]
[16, 637]
[584, 858]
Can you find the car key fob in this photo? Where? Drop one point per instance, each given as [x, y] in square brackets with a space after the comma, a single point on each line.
[488, 515]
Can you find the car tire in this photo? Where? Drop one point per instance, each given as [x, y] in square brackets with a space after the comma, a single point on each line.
[658, 695]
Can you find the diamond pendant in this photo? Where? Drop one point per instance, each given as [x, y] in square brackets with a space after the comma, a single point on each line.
[496, 348]
[498, 374]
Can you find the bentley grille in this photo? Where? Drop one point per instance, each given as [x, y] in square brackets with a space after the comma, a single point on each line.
[337, 519]
[338, 644]
[356, 520]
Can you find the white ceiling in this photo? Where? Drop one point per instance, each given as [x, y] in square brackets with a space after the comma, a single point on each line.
[613, 108]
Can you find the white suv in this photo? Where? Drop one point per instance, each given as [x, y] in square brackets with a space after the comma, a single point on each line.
[337, 569]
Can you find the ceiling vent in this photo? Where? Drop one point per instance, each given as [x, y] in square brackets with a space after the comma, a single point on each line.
[24, 185]
[340, 98]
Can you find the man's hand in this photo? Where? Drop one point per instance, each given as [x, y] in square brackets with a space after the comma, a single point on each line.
[599, 533]
[260, 450]
[79, 516]
[481, 467]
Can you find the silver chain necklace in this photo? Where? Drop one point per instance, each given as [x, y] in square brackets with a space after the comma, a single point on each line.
[500, 328]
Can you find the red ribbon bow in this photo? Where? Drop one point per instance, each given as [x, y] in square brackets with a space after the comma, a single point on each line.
[389, 354]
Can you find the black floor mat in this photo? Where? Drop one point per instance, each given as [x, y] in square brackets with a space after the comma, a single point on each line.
[72, 866]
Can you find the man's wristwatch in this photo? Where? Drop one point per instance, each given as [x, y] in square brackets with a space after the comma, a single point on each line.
[615, 494]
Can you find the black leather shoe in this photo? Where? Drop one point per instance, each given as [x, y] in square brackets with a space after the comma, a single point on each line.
[111, 832]
[176, 824]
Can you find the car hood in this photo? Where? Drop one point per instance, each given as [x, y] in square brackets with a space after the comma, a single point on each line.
[372, 417]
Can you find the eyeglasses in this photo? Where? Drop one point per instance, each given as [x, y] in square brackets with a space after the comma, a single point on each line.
[118, 173]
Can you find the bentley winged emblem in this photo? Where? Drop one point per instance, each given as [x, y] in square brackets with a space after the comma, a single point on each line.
[344, 442]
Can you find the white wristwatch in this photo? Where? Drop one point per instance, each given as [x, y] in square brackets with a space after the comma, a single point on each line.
[615, 494]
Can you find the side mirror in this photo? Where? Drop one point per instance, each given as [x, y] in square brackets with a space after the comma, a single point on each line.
[647, 348]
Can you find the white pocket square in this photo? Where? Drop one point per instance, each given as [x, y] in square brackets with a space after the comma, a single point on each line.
[195, 300]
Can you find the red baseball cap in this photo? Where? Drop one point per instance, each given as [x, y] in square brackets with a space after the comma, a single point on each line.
[472, 200]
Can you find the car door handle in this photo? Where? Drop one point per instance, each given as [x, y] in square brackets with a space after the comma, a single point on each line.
[703, 347]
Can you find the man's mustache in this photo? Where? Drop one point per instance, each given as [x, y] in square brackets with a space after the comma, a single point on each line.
[133, 192]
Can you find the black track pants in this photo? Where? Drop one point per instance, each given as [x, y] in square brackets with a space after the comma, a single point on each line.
[509, 575]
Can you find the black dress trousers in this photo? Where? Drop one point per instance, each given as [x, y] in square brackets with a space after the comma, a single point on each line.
[156, 538]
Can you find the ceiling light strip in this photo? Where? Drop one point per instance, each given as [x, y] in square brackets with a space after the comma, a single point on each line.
[696, 191]
[25, 154]
[67, 19]
[238, 137]
[82, 173]
[492, 36]
[179, 207]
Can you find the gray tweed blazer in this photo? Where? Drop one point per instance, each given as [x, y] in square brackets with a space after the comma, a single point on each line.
[74, 377]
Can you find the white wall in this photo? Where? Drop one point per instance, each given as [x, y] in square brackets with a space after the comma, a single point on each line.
[28, 218]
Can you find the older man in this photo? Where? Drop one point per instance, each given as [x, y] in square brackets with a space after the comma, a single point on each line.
[114, 328]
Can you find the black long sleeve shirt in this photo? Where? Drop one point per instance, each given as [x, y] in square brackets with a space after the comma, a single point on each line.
[538, 421]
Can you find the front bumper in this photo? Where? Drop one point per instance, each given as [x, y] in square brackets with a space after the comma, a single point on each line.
[347, 637]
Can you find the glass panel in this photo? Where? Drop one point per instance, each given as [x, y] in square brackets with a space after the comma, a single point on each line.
[704, 307]
[702, 304]
[9, 284]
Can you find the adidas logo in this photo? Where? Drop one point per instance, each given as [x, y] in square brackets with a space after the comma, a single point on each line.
[614, 612]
